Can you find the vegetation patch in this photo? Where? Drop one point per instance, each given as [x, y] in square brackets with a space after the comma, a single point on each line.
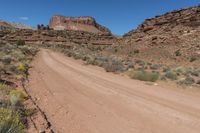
[10, 121]
[171, 75]
[113, 62]
[144, 76]
[14, 65]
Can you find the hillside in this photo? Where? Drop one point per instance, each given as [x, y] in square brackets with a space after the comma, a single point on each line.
[172, 38]
[4, 24]
[83, 23]
[12, 25]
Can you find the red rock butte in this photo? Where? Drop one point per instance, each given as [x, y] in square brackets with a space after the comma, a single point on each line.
[83, 23]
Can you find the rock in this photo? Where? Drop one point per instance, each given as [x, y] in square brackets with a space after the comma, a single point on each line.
[83, 23]
[162, 35]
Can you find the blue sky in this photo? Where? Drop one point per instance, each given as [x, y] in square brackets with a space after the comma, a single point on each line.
[118, 15]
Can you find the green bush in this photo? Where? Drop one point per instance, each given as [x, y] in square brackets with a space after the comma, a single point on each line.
[19, 55]
[187, 71]
[6, 59]
[21, 68]
[145, 76]
[186, 81]
[178, 53]
[28, 50]
[113, 66]
[5, 89]
[140, 62]
[192, 58]
[17, 97]
[171, 75]
[10, 122]
[130, 64]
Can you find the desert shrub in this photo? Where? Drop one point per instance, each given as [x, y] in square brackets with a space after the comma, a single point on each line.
[162, 77]
[19, 77]
[10, 121]
[155, 66]
[5, 89]
[113, 65]
[28, 112]
[18, 55]
[140, 62]
[6, 59]
[192, 71]
[188, 71]
[178, 53]
[90, 60]
[136, 51]
[192, 58]
[6, 49]
[17, 97]
[2, 70]
[186, 81]
[180, 70]
[77, 55]
[101, 60]
[21, 68]
[166, 69]
[195, 73]
[20, 42]
[145, 76]
[171, 75]
[28, 50]
[130, 64]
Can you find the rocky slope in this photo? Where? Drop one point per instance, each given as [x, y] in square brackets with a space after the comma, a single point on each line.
[87, 31]
[83, 23]
[56, 37]
[170, 38]
[13, 26]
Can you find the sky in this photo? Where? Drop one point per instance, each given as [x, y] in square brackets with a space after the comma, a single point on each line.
[120, 16]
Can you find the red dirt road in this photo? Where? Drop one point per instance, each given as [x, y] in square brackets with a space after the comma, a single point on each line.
[85, 99]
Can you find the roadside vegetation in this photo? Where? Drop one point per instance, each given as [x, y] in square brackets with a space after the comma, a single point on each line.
[135, 68]
[14, 65]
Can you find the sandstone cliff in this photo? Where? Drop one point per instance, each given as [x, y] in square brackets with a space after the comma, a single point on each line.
[162, 37]
[83, 23]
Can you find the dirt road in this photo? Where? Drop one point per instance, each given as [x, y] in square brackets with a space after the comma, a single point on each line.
[85, 99]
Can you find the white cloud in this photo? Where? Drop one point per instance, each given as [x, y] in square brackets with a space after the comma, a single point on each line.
[24, 18]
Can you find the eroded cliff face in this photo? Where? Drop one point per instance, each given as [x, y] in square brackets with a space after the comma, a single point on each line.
[188, 17]
[83, 23]
[56, 37]
[159, 38]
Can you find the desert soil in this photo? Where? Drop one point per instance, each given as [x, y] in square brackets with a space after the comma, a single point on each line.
[85, 99]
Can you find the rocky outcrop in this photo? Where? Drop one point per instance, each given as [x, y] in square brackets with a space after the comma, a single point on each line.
[56, 37]
[86, 32]
[83, 23]
[4, 24]
[13, 26]
[188, 17]
[158, 39]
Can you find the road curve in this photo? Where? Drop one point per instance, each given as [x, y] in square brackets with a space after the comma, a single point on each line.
[85, 99]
